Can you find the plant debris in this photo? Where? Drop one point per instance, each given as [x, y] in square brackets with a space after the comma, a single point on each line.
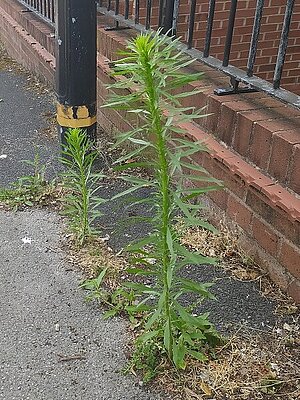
[94, 257]
[224, 245]
[253, 366]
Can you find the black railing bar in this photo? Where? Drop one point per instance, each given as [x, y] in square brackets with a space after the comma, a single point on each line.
[109, 5]
[191, 24]
[148, 13]
[168, 20]
[117, 8]
[49, 9]
[210, 21]
[53, 10]
[283, 43]
[229, 33]
[126, 14]
[230, 70]
[160, 12]
[254, 37]
[175, 17]
[137, 12]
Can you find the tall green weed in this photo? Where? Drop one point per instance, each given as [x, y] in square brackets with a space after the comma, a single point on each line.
[151, 71]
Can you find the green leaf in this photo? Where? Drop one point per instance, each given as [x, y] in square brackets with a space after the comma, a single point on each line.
[196, 287]
[138, 308]
[130, 155]
[136, 181]
[179, 351]
[197, 335]
[139, 287]
[146, 336]
[110, 313]
[157, 314]
[138, 245]
[127, 191]
[195, 192]
[140, 141]
[101, 276]
[167, 337]
[193, 257]
[139, 271]
[199, 322]
[197, 355]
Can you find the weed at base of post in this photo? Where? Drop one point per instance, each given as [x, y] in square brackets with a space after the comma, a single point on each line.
[81, 202]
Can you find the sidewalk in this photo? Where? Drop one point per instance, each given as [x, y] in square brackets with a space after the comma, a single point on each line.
[43, 317]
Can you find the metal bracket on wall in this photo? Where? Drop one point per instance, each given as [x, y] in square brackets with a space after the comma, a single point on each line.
[117, 27]
[234, 88]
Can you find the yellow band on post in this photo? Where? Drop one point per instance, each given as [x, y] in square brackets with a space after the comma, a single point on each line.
[75, 116]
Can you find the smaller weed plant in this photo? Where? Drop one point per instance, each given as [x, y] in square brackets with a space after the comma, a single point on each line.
[30, 189]
[95, 288]
[152, 66]
[81, 202]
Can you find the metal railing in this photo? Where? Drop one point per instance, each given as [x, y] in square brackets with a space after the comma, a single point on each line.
[152, 14]
[167, 15]
[44, 8]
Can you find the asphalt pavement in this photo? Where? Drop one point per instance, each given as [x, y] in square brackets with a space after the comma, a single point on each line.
[53, 345]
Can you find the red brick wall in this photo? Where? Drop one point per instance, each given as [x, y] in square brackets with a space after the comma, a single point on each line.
[22, 46]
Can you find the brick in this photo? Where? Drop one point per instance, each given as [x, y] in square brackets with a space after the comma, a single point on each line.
[275, 216]
[227, 119]
[283, 199]
[265, 235]
[231, 180]
[220, 197]
[290, 257]
[294, 291]
[242, 135]
[213, 108]
[281, 153]
[266, 261]
[294, 173]
[260, 146]
[240, 213]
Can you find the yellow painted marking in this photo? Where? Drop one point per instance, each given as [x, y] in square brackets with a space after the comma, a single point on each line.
[65, 117]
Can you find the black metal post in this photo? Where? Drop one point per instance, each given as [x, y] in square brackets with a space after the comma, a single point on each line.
[76, 66]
